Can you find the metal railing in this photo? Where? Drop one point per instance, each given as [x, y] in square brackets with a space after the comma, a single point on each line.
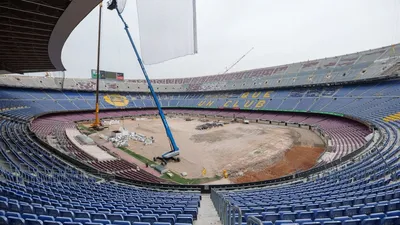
[226, 211]
[251, 220]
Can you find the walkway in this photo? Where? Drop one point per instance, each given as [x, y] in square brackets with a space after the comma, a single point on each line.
[207, 214]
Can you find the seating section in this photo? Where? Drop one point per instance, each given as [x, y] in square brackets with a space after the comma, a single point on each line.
[92, 203]
[51, 129]
[38, 188]
[363, 191]
[375, 63]
[345, 136]
[393, 117]
[24, 104]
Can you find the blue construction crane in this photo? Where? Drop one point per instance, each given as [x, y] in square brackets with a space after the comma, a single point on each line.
[170, 155]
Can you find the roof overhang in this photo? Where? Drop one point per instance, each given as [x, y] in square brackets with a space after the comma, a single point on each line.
[33, 32]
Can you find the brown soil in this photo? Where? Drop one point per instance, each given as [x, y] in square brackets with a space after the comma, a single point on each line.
[297, 158]
[246, 149]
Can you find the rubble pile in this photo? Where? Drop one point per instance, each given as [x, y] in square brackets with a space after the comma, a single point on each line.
[207, 126]
[122, 137]
[110, 122]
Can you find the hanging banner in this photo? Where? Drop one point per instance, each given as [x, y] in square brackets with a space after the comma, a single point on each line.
[167, 29]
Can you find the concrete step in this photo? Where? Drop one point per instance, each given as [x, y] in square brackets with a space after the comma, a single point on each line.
[207, 214]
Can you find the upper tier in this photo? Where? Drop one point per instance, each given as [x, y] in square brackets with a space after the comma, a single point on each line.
[373, 64]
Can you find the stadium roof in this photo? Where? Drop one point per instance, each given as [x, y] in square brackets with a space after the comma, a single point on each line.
[33, 32]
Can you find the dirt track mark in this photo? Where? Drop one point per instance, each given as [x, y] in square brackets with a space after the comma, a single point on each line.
[214, 136]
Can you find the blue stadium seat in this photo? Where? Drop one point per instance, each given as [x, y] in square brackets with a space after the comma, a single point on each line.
[53, 212]
[102, 221]
[3, 220]
[377, 215]
[167, 219]
[29, 216]
[351, 211]
[13, 214]
[72, 223]
[142, 223]
[305, 215]
[46, 218]
[82, 215]
[26, 209]
[322, 220]
[15, 220]
[148, 219]
[184, 219]
[3, 205]
[282, 222]
[288, 216]
[161, 223]
[113, 217]
[301, 221]
[52, 223]
[371, 221]
[391, 220]
[14, 207]
[121, 222]
[82, 220]
[271, 217]
[100, 216]
[393, 213]
[322, 214]
[267, 223]
[352, 222]
[63, 219]
[132, 218]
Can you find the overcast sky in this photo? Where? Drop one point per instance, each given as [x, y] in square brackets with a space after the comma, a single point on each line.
[281, 31]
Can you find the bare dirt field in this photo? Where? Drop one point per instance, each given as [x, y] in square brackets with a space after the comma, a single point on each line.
[249, 152]
[295, 159]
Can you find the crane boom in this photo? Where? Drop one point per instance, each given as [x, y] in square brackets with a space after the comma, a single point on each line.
[237, 61]
[174, 148]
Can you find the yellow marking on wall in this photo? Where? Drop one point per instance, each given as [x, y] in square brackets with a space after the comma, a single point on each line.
[201, 103]
[256, 94]
[210, 103]
[227, 103]
[267, 94]
[260, 104]
[245, 95]
[116, 100]
[236, 104]
[247, 104]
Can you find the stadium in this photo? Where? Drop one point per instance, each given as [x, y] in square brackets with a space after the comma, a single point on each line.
[307, 143]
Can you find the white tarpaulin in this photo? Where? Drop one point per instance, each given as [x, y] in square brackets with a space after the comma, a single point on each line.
[167, 29]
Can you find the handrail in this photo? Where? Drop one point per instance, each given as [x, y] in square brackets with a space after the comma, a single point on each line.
[251, 220]
[240, 215]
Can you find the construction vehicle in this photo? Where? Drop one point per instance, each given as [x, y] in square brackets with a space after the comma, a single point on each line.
[170, 155]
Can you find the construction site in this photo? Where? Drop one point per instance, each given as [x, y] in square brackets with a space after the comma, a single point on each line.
[245, 152]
